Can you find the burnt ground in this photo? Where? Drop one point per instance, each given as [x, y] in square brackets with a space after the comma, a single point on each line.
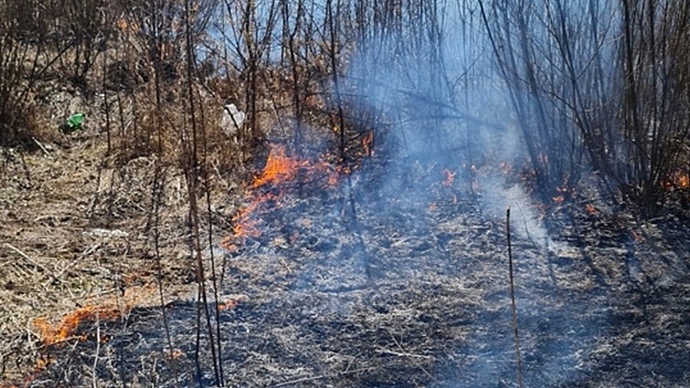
[411, 290]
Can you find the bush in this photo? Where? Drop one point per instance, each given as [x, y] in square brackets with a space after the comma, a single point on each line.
[16, 126]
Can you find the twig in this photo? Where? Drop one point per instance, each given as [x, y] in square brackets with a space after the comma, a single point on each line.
[401, 354]
[286, 265]
[58, 276]
[32, 261]
[404, 352]
[45, 151]
[513, 305]
[98, 350]
[192, 171]
[319, 377]
[524, 221]
[357, 229]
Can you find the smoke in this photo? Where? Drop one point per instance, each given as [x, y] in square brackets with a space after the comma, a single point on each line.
[447, 108]
[427, 83]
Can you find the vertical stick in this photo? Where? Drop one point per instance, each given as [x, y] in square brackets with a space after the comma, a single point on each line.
[193, 166]
[513, 305]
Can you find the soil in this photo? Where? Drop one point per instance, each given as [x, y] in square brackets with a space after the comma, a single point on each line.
[396, 278]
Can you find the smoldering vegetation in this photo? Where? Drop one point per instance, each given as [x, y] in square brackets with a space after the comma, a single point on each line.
[313, 193]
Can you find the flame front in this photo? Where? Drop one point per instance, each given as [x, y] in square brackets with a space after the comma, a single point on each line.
[51, 335]
[280, 169]
[368, 144]
[678, 180]
[450, 178]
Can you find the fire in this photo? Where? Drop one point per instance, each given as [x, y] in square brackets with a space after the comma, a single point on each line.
[367, 143]
[563, 192]
[51, 335]
[231, 303]
[450, 178]
[108, 309]
[244, 225]
[280, 169]
[678, 180]
[174, 354]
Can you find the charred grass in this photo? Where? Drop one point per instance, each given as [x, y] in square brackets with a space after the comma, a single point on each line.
[416, 295]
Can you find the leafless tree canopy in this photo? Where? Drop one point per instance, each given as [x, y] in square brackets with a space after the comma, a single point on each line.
[597, 86]
[594, 87]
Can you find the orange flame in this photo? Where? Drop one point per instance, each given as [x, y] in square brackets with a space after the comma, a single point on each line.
[367, 143]
[230, 303]
[450, 178]
[563, 193]
[51, 335]
[678, 180]
[111, 309]
[174, 354]
[279, 170]
[244, 225]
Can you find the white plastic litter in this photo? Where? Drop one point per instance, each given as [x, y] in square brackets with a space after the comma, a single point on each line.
[232, 119]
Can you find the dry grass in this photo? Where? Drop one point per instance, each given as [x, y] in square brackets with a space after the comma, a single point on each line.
[78, 233]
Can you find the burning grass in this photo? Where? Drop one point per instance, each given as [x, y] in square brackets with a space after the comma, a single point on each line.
[54, 334]
[679, 180]
[280, 168]
[76, 326]
[281, 172]
[435, 317]
[106, 309]
[75, 234]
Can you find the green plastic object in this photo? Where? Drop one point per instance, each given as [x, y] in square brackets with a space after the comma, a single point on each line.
[74, 121]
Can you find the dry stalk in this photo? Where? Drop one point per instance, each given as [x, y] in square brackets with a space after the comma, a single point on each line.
[192, 173]
[513, 305]
[320, 377]
[94, 373]
[34, 262]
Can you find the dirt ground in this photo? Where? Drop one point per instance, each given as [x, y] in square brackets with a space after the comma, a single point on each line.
[396, 279]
